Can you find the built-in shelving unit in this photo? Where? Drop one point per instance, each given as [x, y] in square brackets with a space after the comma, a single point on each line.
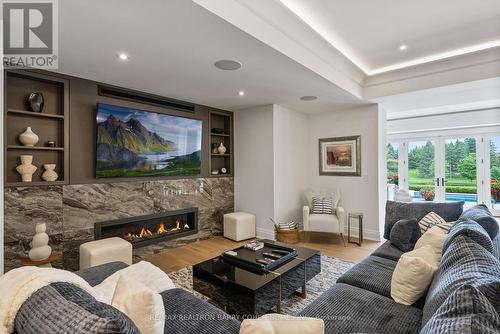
[52, 124]
[223, 122]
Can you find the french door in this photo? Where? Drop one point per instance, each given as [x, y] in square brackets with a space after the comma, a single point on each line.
[447, 168]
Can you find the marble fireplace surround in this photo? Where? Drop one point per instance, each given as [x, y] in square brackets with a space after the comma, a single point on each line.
[70, 212]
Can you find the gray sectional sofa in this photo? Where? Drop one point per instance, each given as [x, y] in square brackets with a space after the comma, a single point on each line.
[361, 300]
[467, 281]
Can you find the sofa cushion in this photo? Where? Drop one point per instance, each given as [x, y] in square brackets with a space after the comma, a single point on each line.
[404, 234]
[388, 251]
[324, 222]
[496, 246]
[348, 309]
[429, 220]
[65, 308]
[482, 215]
[186, 313]
[373, 274]
[95, 275]
[463, 262]
[395, 211]
[472, 230]
[467, 310]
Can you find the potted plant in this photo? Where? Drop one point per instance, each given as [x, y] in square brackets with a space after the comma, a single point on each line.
[495, 191]
[428, 193]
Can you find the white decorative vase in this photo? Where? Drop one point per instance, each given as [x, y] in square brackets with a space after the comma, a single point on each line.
[26, 169]
[28, 137]
[40, 249]
[221, 148]
[49, 175]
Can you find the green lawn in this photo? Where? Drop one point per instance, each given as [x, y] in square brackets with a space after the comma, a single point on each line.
[453, 185]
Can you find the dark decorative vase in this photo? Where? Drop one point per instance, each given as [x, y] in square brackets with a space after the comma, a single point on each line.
[36, 101]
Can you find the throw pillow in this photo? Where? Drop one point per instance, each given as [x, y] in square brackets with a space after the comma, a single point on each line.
[482, 215]
[404, 234]
[472, 230]
[430, 220]
[434, 237]
[322, 205]
[282, 324]
[61, 308]
[413, 275]
[463, 262]
[141, 304]
[467, 310]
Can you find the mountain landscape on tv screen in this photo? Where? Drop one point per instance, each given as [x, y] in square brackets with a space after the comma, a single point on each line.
[126, 147]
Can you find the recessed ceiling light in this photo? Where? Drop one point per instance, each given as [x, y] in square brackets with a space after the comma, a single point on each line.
[308, 98]
[403, 47]
[227, 64]
[241, 93]
[123, 56]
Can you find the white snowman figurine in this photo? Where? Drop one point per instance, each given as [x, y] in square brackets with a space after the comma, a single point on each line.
[40, 249]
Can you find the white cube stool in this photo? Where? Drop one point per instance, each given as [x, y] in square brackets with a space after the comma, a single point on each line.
[239, 226]
[102, 251]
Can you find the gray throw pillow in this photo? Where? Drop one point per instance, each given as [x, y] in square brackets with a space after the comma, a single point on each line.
[472, 230]
[404, 234]
[463, 262]
[482, 215]
[466, 310]
[62, 308]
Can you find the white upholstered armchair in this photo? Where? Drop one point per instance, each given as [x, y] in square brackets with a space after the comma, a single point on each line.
[330, 223]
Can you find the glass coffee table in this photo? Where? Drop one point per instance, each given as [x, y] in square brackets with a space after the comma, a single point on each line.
[245, 292]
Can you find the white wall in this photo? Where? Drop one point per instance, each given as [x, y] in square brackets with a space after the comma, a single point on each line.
[254, 165]
[291, 142]
[359, 194]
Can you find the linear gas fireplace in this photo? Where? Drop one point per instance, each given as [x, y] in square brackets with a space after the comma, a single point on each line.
[146, 230]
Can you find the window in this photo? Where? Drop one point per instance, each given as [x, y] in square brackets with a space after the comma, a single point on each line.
[494, 155]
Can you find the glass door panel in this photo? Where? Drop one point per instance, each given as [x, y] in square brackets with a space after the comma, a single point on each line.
[392, 164]
[495, 172]
[460, 170]
[421, 170]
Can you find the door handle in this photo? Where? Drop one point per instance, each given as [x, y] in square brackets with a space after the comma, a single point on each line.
[442, 181]
[437, 181]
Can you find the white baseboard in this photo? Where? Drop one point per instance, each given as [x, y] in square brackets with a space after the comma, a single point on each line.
[265, 233]
[367, 234]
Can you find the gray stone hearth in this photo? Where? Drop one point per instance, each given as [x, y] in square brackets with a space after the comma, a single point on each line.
[71, 211]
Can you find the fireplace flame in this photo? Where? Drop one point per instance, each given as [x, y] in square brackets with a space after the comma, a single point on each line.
[161, 229]
[177, 225]
[145, 233]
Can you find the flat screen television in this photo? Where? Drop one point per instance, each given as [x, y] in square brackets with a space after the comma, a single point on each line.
[133, 143]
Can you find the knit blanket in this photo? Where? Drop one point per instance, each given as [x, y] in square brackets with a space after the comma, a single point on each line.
[17, 285]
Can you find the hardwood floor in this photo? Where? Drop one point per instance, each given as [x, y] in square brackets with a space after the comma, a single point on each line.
[176, 258]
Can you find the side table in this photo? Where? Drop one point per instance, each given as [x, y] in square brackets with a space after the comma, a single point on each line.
[47, 263]
[359, 217]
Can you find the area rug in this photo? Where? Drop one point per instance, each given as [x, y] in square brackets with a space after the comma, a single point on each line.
[331, 269]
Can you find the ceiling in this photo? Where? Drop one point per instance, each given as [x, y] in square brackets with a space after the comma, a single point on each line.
[370, 33]
[172, 47]
[465, 96]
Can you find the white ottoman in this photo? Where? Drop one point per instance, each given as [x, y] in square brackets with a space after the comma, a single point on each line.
[102, 251]
[239, 226]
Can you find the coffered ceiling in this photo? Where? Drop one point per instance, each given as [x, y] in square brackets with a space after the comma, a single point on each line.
[370, 33]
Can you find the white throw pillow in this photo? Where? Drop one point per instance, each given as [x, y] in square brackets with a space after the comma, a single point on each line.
[434, 237]
[141, 304]
[429, 221]
[413, 274]
[282, 324]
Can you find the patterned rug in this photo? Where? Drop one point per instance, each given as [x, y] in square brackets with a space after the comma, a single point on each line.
[331, 269]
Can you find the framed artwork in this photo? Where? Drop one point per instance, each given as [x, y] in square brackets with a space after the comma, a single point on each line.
[340, 156]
